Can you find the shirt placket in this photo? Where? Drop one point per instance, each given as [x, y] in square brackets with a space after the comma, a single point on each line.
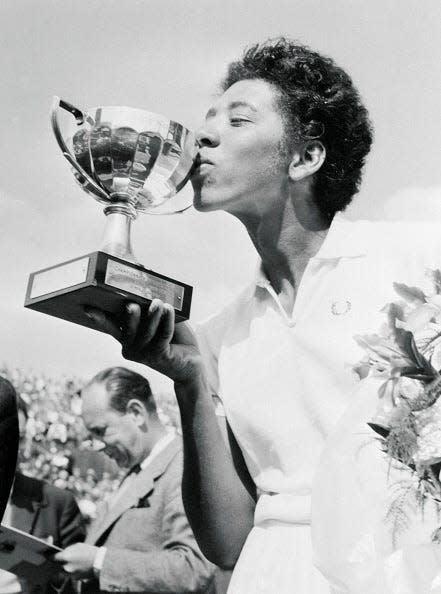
[303, 297]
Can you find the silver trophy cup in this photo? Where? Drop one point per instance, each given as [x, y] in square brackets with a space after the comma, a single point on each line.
[131, 161]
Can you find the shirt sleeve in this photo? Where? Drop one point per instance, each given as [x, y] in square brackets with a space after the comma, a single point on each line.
[212, 335]
[209, 337]
[99, 561]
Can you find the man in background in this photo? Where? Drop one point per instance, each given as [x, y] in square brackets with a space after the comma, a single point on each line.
[141, 541]
[47, 512]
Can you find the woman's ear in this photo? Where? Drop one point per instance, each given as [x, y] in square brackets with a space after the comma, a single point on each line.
[307, 161]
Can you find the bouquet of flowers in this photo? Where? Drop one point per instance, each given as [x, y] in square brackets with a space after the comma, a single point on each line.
[406, 354]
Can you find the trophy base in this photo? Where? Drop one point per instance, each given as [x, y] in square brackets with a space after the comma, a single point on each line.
[103, 281]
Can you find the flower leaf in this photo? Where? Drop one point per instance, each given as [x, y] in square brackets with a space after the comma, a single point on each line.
[410, 294]
[383, 431]
[413, 351]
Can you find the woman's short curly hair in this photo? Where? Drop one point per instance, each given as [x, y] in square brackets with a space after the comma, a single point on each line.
[318, 100]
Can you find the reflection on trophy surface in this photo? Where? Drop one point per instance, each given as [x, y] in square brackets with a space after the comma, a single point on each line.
[132, 161]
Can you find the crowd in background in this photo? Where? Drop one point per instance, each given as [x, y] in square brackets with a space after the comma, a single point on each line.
[57, 448]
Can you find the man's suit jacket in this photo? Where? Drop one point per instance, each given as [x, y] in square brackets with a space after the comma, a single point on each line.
[45, 511]
[150, 545]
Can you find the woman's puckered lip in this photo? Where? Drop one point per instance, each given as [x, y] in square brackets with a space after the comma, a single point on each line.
[199, 164]
[202, 160]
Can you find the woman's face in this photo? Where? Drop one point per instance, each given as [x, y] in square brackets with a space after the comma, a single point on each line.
[241, 169]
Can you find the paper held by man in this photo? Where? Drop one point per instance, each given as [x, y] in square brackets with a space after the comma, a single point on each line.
[26, 556]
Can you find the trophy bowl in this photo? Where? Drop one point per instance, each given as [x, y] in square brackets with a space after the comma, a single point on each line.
[130, 160]
[128, 154]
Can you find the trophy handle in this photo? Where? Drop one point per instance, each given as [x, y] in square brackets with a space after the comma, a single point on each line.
[77, 113]
[81, 118]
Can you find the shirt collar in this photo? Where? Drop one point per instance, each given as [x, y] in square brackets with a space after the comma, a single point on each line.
[158, 448]
[345, 239]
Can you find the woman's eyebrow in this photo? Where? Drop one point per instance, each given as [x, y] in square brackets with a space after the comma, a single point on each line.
[235, 104]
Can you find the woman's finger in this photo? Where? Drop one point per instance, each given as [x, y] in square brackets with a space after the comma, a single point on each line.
[103, 322]
[130, 325]
[149, 325]
[166, 326]
[183, 334]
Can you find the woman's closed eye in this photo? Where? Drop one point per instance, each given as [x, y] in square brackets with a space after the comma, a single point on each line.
[239, 120]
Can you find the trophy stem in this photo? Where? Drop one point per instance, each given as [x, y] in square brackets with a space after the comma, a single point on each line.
[116, 239]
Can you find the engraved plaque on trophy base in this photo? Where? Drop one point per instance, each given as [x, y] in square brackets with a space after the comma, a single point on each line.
[103, 281]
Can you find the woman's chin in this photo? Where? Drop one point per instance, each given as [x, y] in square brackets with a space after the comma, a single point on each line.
[202, 203]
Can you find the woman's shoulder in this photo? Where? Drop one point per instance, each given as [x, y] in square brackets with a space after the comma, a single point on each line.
[218, 323]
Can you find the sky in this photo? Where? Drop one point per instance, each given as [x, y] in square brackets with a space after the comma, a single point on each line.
[167, 56]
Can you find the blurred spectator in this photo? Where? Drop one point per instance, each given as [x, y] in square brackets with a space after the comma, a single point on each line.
[56, 447]
[120, 411]
[43, 510]
[8, 440]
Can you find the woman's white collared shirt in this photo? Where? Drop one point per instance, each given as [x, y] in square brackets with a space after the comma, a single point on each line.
[285, 380]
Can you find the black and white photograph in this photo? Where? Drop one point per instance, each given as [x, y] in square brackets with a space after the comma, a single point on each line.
[220, 267]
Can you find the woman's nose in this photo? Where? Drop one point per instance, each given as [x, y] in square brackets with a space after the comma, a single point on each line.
[207, 136]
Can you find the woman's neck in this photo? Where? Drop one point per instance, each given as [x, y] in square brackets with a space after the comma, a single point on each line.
[286, 239]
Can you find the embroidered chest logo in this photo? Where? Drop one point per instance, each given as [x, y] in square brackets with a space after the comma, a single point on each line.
[340, 307]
